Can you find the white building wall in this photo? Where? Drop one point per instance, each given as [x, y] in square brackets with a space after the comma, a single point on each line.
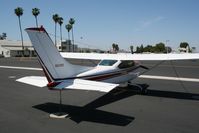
[4, 52]
[7, 47]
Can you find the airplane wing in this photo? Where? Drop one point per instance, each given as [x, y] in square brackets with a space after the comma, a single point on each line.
[128, 56]
[79, 84]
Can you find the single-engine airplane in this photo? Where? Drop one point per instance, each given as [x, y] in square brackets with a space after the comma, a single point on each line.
[112, 70]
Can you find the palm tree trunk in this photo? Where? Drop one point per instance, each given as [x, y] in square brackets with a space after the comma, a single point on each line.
[68, 35]
[21, 37]
[55, 35]
[69, 41]
[73, 39]
[61, 38]
[36, 21]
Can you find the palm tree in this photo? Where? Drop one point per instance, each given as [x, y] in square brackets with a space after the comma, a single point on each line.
[113, 46]
[35, 12]
[60, 21]
[4, 35]
[117, 48]
[68, 28]
[72, 22]
[55, 18]
[131, 48]
[19, 12]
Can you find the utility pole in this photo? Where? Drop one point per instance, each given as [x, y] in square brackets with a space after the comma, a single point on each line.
[167, 45]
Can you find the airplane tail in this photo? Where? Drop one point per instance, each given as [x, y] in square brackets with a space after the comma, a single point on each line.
[59, 73]
[54, 65]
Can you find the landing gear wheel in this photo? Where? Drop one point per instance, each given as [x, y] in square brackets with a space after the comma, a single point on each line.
[143, 91]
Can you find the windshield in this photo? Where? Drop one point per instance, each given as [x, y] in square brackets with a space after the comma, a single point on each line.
[107, 62]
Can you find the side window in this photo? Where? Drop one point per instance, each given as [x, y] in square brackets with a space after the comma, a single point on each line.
[107, 62]
[126, 64]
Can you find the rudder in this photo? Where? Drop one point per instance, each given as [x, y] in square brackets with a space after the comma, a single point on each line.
[53, 64]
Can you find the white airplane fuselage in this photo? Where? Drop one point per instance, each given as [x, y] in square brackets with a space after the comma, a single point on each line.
[111, 73]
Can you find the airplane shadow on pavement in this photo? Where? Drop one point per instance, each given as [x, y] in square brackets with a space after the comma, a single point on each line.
[173, 94]
[89, 112]
[79, 114]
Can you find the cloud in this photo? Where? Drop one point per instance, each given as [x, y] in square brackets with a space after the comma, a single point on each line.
[148, 23]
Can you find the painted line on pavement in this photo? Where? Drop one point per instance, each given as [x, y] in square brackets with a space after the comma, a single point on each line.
[173, 66]
[141, 76]
[21, 68]
[169, 78]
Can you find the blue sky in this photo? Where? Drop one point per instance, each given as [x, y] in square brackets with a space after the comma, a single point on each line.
[99, 23]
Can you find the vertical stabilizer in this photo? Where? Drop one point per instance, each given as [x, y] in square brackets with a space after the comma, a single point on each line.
[53, 64]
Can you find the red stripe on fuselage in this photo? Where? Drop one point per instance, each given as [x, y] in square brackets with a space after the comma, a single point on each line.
[45, 70]
[112, 75]
[46, 74]
[103, 77]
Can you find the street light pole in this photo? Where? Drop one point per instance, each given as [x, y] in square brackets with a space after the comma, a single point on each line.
[167, 45]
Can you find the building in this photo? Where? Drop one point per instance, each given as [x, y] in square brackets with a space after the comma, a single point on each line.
[67, 46]
[13, 48]
[184, 50]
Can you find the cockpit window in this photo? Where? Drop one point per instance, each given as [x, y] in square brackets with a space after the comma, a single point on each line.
[107, 62]
[126, 64]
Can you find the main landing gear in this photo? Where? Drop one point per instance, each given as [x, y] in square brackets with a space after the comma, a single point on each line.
[141, 88]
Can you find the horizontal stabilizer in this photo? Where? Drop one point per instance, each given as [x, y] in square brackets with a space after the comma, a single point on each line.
[38, 81]
[81, 84]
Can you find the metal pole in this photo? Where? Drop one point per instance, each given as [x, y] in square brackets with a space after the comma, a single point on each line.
[167, 45]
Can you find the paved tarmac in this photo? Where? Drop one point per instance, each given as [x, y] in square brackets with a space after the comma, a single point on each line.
[169, 106]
